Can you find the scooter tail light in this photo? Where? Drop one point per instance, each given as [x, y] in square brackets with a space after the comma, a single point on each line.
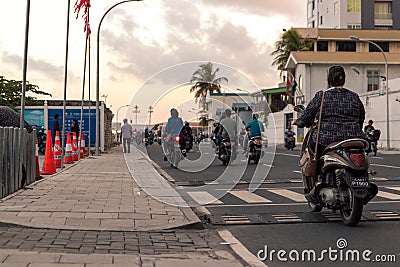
[258, 142]
[358, 159]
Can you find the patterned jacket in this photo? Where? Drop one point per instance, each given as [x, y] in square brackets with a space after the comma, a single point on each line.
[343, 116]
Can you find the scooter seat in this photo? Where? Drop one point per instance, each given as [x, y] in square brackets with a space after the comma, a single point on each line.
[350, 143]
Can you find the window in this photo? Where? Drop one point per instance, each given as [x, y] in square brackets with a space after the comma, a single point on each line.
[335, 8]
[322, 46]
[373, 80]
[320, 20]
[310, 9]
[354, 26]
[354, 6]
[344, 46]
[383, 10]
[383, 45]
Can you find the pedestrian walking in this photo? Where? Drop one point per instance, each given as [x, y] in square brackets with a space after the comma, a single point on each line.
[126, 134]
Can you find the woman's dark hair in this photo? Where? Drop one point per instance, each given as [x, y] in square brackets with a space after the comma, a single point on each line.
[336, 76]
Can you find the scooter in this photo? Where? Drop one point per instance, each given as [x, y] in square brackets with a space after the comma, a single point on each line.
[342, 181]
[290, 141]
[373, 138]
[175, 154]
[254, 149]
[225, 151]
[186, 144]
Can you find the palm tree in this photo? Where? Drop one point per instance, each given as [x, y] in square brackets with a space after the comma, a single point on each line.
[291, 41]
[206, 81]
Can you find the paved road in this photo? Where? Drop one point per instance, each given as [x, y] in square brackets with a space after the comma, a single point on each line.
[276, 214]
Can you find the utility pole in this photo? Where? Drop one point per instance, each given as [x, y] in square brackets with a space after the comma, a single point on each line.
[136, 111]
[105, 98]
[150, 111]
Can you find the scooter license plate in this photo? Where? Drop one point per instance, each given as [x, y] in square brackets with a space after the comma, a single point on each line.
[360, 182]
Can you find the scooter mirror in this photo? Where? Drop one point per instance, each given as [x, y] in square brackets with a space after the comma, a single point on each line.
[299, 108]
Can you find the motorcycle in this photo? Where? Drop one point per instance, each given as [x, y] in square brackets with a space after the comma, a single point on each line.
[175, 153]
[254, 149]
[186, 144]
[290, 141]
[42, 137]
[373, 138]
[226, 151]
[342, 181]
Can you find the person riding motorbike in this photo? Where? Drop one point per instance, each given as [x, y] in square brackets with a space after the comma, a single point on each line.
[255, 128]
[288, 133]
[369, 128]
[342, 117]
[186, 134]
[173, 127]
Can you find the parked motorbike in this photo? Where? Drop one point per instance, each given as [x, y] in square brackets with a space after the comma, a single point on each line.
[290, 141]
[342, 181]
[42, 137]
[254, 149]
[373, 138]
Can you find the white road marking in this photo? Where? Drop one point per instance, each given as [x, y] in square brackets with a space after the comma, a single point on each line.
[204, 198]
[397, 188]
[388, 195]
[289, 194]
[386, 166]
[249, 197]
[240, 249]
[203, 210]
[291, 155]
[297, 172]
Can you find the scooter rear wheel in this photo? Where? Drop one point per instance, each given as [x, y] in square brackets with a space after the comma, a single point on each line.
[351, 214]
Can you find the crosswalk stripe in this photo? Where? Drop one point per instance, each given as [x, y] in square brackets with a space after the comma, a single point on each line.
[289, 194]
[388, 195]
[249, 197]
[397, 188]
[204, 198]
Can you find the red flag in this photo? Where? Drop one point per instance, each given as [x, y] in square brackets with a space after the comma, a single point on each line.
[85, 4]
[289, 85]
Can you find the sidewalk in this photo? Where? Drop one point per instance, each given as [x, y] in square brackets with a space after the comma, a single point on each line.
[94, 206]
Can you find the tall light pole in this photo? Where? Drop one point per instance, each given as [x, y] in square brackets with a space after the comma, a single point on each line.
[150, 111]
[355, 38]
[136, 111]
[97, 75]
[118, 111]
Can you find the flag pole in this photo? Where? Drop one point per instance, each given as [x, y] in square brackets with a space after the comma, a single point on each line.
[65, 88]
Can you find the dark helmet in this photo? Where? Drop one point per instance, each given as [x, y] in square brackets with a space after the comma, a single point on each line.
[336, 76]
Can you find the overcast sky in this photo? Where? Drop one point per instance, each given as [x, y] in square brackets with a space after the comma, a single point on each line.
[140, 39]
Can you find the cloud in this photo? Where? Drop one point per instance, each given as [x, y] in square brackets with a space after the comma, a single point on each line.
[189, 38]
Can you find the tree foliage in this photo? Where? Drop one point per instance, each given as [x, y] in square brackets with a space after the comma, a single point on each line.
[290, 41]
[11, 91]
[206, 80]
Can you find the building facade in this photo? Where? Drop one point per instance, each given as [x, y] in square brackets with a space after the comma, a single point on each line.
[354, 14]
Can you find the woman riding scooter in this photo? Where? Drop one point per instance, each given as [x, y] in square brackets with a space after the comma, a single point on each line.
[342, 117]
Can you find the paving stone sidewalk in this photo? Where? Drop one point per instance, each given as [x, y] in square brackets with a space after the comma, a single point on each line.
[94, 214]
[96, 193]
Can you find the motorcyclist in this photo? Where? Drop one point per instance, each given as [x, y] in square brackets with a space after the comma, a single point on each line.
[342, 116]
[369, 128]
[173, 127]
[187, 134]
[255, 128]
[288, 133]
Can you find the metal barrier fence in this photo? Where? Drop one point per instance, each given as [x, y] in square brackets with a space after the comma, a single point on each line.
[12, 177]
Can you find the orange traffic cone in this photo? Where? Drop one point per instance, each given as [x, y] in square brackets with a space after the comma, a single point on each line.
[68, 151]
[37, 175]
[82, 146]
[57, 150]
[74, 148]
[49, 166]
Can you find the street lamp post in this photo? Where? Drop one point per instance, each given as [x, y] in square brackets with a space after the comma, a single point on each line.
[97, 75]
[355, 38]
[118, 111]
[136, 111]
